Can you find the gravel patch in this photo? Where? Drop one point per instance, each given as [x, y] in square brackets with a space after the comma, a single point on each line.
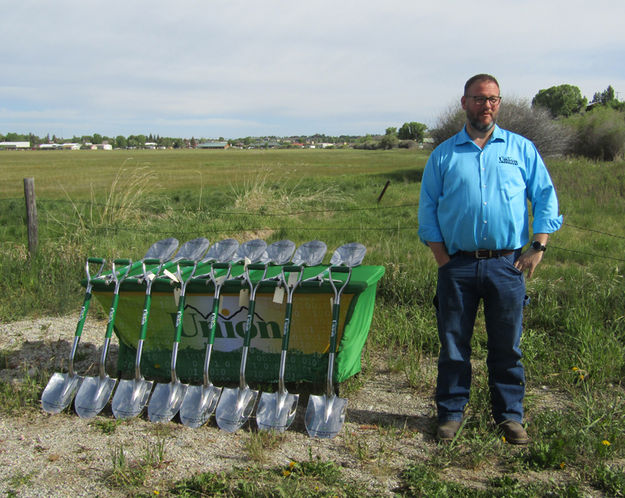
[388, 425]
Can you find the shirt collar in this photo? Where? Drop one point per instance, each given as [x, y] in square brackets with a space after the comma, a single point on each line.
[463, 137]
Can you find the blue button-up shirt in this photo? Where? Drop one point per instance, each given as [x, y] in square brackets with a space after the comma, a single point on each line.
[474, 198]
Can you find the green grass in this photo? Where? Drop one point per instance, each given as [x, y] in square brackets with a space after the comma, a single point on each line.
[115, 204]
[312, 477]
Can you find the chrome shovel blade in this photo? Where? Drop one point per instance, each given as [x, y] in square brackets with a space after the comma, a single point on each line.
[93, 395]
[325, 416]
[198, 405]
[60, 392]
[131, 397]
[234, 408]
[276, 411]
[166, 400]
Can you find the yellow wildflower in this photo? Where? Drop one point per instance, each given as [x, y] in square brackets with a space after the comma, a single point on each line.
[605, 442]
[562, 465]
[291, 465]
[286, 473]
[575, 369]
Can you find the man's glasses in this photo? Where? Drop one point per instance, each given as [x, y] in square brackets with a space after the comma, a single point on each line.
[482, 100]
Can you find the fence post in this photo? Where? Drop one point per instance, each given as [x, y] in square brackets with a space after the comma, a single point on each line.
[31, 215]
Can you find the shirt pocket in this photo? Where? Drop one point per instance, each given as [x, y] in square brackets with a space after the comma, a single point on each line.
[511, 182]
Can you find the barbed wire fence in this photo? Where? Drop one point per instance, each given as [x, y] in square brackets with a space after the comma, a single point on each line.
[45, 204]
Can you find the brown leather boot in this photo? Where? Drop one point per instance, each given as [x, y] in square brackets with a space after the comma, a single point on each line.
[513, 432]
[447, 430]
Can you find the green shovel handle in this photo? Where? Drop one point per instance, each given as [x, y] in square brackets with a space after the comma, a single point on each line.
[249, 323]
[340, 269]
[112, 313]
[144, 316]
[292, 268]
[335, 325]
[83, 315]
[213, 324]
[287, 326]
[179, 315]
[256, 266]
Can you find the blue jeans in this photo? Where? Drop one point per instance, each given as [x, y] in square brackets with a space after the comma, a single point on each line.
[461, 284]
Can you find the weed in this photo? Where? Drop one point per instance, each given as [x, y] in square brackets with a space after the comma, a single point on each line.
[420, 480]
[20, 479]
[259, 442]
[204, 484]
[610, 479]
[105, 426]
[358, 446]
[132, 474]
[20, 394]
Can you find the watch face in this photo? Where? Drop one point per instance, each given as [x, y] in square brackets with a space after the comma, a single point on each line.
[537, 246]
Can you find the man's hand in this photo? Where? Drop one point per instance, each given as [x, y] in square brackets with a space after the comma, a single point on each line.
[440, 253]
[529, 261]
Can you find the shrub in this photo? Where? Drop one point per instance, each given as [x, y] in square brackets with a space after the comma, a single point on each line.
[551, 137]
[599, 134]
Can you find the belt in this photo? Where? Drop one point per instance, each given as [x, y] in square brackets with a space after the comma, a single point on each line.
[486, 253]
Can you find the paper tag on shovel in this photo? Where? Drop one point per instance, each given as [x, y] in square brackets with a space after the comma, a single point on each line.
[244, 297]
[278, 294]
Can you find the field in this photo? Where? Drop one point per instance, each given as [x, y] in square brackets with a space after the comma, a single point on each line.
[115, 204]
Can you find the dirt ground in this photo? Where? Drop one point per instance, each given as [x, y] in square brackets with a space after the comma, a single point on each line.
[64, 455]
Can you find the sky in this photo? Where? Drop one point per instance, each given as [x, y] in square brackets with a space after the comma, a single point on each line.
[235, 68]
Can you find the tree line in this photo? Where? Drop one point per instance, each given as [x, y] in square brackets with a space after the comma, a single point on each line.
[559, 120]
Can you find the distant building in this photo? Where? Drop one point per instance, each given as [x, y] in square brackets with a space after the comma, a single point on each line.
[213, 145]
[14, 145]
[101, 147]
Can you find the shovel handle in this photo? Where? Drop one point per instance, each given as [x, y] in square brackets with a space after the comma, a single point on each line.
[213, 323]
[83, 314]
[256, 266]
[249, 324]
[152, 261]
[291, 268]
[112, 313]
[144, 316]
[340, 269]
[287, 327]
[96, 261]
[186, 262]
[179, 316]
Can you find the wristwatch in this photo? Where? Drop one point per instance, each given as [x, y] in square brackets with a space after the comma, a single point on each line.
[537, 246]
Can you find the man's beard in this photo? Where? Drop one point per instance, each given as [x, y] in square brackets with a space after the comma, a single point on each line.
[476, 124]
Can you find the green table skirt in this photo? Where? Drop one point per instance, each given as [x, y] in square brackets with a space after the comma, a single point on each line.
[307, 358]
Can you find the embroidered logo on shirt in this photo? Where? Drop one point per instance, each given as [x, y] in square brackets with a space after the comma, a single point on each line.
[508, 160]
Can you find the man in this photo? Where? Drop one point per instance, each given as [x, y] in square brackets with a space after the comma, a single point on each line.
[473, 215]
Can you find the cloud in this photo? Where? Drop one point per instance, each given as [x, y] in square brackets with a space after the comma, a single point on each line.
[291, 67]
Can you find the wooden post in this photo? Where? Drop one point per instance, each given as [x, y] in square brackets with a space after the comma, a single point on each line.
[31, 215]
[388, 182]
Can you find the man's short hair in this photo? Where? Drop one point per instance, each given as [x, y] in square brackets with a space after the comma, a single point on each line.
[479, 77]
